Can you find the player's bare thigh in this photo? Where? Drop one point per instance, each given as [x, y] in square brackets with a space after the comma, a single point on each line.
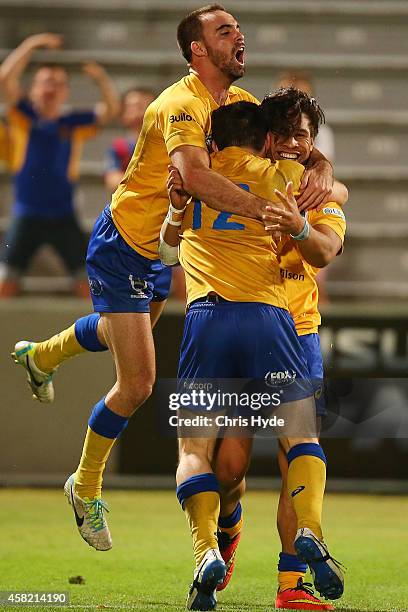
[156, 309]
[130, 341]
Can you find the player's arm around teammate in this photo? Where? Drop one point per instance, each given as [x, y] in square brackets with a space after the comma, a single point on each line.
[318, 245]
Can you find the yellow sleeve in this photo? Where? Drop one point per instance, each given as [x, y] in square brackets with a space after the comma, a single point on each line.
[290, 171]
[183, 121]
[331, 215]
[84, 132]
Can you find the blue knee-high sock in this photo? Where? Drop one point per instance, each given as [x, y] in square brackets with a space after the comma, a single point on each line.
[86, 333]
[105, 422]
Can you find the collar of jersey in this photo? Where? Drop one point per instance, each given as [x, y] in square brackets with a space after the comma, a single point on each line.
[198, 87]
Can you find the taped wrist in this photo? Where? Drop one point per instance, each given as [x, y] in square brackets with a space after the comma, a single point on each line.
[167, 254]
[174, 211]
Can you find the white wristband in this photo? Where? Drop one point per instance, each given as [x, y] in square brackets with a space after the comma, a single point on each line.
[167, 254]
[172, 210]
[304, 234]
[171, 222]
[176, 210]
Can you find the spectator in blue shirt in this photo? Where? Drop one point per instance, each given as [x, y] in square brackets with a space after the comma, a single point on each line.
[44, 154]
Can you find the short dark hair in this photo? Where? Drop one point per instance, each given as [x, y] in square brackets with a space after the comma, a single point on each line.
[238, 125]
[190, 28]
[284, 108]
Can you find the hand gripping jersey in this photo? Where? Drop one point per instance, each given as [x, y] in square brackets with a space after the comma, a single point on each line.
[181, 115]
[300, 277]
[231, 255]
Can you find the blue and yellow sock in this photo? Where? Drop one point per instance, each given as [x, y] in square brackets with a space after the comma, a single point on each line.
[78, 338]
[104, 428]
[290, 569]
[232, 524]
[200, 499]
[306, 483]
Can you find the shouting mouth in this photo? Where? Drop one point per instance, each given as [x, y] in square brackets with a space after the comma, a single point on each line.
[240, 55]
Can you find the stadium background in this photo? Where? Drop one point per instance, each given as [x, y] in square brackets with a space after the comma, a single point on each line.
[356, 52]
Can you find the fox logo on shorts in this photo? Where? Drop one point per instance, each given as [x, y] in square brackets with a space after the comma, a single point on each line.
[138, 286]
[280, 379]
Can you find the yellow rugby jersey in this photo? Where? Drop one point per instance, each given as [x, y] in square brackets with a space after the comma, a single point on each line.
[300, 277]
[179, 116]
[233, 255]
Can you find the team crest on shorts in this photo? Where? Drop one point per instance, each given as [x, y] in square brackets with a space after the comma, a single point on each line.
[139, 287]
[95, 286]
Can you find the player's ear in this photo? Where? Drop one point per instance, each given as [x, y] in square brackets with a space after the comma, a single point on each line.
[214, 146]
[268, 142]
[268, 145]
[198, 48]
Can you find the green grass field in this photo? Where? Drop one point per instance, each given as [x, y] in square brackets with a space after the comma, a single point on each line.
[150, 566]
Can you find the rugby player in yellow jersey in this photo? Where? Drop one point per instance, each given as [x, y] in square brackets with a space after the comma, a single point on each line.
[128, 283]
[300, 261]
[294, 119]
[238, 326]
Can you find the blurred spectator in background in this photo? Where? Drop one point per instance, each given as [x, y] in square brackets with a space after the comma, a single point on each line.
[44, 153]
[134, 104]
[324, 142]
[3, 144]
[325, 138]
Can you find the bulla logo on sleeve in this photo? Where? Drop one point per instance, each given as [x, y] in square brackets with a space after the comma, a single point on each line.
[180, 117]
[334, 211]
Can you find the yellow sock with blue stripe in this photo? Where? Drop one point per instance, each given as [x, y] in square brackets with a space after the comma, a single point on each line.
[306, 484]
[200, 499]
[232, 523]
[104, 427]
[78, 338]
[290, 569]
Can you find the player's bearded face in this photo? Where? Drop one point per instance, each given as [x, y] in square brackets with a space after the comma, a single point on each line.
[224, 43]
[230, 62]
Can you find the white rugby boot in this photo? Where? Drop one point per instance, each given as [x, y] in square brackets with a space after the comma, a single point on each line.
[89, 517]
[39, 382]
